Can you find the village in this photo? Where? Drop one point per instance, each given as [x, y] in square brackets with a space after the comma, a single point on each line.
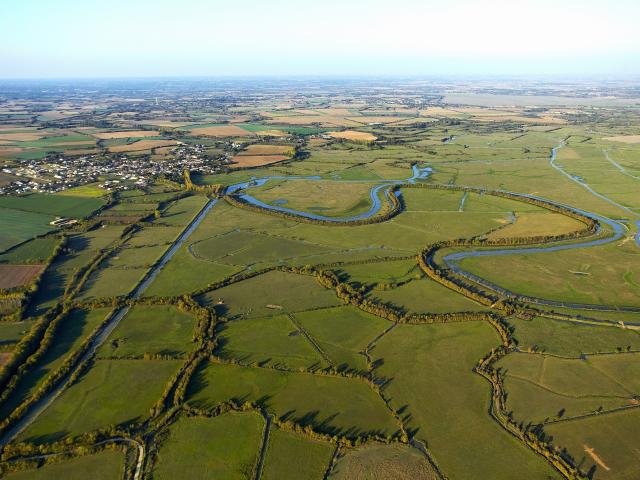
[57, 172]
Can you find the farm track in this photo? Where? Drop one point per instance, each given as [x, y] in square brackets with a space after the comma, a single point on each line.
[34, 412]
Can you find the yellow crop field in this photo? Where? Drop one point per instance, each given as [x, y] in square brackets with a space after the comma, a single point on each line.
[266, 150]
[141, 145]
[126, 134]
[221, 131]
[256, 160]
[624, 139]
[21, 137]
[354, 135]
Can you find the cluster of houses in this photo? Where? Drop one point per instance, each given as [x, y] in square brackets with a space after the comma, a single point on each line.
[58, 172]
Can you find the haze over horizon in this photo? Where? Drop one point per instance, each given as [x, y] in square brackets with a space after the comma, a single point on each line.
[74, 39]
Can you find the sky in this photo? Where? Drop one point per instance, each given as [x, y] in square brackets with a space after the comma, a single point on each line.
[151, 38]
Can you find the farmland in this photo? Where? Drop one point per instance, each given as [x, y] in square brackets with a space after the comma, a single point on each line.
[289, 282]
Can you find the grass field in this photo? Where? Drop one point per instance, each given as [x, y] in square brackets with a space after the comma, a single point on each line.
[342, 333]
[59, 205]
[572, 339]
[270, 294]
[226, 447]
[271, 341]
[82, 248]
[18, 226]
[604, 445]
[544, 387]
[291, 456]
[134, 335]
[426, 296]
[106, 465]
[332, 405]
[445, 403]
[332, 199]
[599, 275]
[12, 332]
[73, 330]
[399, 462]
[112, 392]
[34, 251]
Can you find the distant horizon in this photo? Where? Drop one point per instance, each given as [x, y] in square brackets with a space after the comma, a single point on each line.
[72, 39]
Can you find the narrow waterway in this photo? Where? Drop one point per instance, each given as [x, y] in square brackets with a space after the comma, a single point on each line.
[419, 173]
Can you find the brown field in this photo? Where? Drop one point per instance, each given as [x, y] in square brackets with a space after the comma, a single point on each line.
[71, 144]
[624, 139]
[142, 145]
[272, 133]
[83, 151]
[18, 275]
[21, 137]
[323, 120]
[4, 358]
[9, 128]
[379, 119]
[353, 135]
[260, 149]
[126, 134]
[166, 123]
[221, 131]
[256, 160]
[10, 150]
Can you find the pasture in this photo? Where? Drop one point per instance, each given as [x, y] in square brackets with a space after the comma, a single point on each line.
[450, 416]
[112, 392]
[333, 405]
[270, 341]
[271, 293]
[311, 456]
[226, 446]
[106, 465]
[134, 335]
[598, 275]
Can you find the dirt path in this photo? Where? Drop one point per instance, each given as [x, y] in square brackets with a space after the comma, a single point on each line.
[591, 452]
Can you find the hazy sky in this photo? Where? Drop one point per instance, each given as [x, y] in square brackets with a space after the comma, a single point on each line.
[90, 38]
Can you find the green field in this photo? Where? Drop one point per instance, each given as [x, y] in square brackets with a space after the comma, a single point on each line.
[71, 333]
[134, 335]
[270, 294]
[106, 465]
[612, 437]
[18, 226]
[112, 392]
[60, 205]
[226, 446]
[430, 367]
[273, 341]
[343, 333]
[572, 339]
[37, 250]
[311, 457]
[544, 387]
[229, 366]
[332, 405]
[598, 275]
